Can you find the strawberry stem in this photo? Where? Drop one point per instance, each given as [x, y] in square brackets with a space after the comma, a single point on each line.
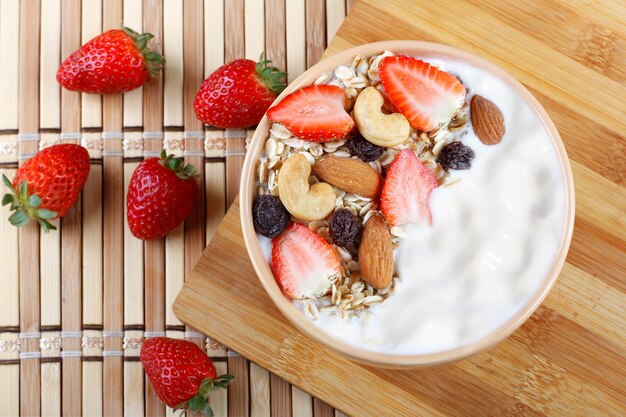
[154, 60]
[199, 401]
[26, 207]
[271, 76]
[182, 170]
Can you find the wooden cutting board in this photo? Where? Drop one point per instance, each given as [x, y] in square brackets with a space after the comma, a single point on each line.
[570, 356]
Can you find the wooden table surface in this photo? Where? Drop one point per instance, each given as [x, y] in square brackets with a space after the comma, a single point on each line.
[569, 358]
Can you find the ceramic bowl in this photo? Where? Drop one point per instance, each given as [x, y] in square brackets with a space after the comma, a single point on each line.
[247, 194]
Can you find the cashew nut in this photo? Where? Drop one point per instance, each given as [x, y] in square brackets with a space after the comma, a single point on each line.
[381, 129]
[305, 202]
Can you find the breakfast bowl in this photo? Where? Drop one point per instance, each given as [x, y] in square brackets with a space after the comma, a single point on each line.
[411, 204]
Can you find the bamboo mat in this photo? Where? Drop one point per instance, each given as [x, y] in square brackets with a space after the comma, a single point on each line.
[75, 304]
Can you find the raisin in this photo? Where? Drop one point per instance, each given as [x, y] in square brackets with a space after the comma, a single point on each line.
[344, 230]
[363, 149]
[455, 155]
[269, 215]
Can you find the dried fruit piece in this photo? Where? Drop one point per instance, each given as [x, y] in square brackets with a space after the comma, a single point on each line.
[487, 120]
[344, 229]
[304, 264]
[363, 149]
[376, 253]
[269, 215]
[304, 201]
[350, 175]
[455, 155]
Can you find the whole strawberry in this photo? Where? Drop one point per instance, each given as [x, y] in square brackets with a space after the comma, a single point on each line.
[181, 374]
[161, 193]
[47, 185]
[116, 61]
[238, 94]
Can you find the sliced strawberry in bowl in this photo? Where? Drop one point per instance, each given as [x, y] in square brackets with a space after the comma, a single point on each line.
[304, 264]
[406, 194]
[315, 113]
[425, 95]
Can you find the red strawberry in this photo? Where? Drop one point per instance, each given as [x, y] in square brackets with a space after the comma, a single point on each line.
[116, 61]
[47, 185]
[182, 375]
[315, 113]
[238, 94]
[303, 262]
[428, 97]
[161, 193]
[406, 192]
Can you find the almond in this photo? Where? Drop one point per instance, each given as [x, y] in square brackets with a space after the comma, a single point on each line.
[350, 175]
[376, 253]
[487, 120]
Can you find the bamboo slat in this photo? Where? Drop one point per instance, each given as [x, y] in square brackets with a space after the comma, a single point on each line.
[259, 391]
[9, 47]
[296, 38]
[254, 28]
[215, 182]
[9, 308]
[219, 400]
[70, 232]
[113, 236]
[315, 30]
[275, 32]
[335, 13]
[30, 394]
[92, 290]
[50, 243]
[133, 308]
[321, 409]
[302, 403]
[238, 390]
[213, 35]
[234, 48]
[173, 116]
[91, 118]
[280, 400]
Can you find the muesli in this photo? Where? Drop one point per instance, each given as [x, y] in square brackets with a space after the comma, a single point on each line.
[353, 164]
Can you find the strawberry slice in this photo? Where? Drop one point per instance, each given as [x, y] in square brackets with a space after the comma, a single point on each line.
[304, 264]
[407, 189]
[315, 113]
[428, 97]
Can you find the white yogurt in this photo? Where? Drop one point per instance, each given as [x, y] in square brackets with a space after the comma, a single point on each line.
[493, 239]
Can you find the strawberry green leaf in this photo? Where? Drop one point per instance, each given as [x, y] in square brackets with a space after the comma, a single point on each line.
[24, 190]
[46, 225]
[207, 411]
[34, 201]
[46, 214]
[197, 403]
[19, 218]
[181, 406]
[7, 182]
[8, 199]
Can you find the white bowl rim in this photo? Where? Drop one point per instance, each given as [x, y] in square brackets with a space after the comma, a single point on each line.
[388, 360]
